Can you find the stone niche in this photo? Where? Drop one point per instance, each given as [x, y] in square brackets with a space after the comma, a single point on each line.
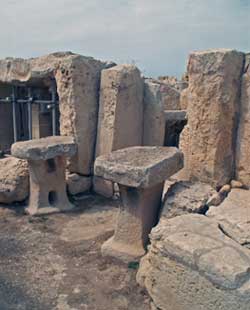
[77, 80]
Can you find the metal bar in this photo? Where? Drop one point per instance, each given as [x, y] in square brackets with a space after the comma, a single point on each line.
[53, 112]
[30, 113]
[14, 113]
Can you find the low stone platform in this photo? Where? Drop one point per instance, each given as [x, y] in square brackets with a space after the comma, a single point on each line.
[140, 173]
[233, 215]
[47, 165]
[192, 264]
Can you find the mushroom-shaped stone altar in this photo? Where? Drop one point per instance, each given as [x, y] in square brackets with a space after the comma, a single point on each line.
[47, 164]
[140, 173]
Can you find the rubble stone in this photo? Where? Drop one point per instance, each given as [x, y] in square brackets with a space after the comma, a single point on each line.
[78, 184]
[192, 264]
[14, 180]
[186, 197]
[214, 89]
[103, 187]
[233, 215]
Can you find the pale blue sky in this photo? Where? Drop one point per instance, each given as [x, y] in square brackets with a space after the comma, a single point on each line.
[157, 35]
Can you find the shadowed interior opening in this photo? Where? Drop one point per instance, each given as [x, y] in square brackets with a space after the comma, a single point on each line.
[52, 198]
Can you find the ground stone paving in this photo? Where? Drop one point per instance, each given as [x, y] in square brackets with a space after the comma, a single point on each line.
[54, 262]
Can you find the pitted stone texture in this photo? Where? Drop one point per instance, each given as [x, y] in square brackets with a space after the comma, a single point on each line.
[78, 184]
[186, 197]
[214, 92]
[77, 79]
[154, 122]
[139, 166]
[233, 215]
[45, 148]
[103, 187]
[120, 122]
[192, 264]
[243, 143]
[14, 180]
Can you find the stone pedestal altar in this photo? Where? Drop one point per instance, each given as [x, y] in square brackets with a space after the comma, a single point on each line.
[47, 162]
[140, 173]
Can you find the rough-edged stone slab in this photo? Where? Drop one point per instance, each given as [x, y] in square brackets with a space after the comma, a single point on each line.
[243, 141]
[120, 121]
[175, 115]
[77, 184]
[192, 264]
[45, 148]
[14, 180]
[186, 197]
[214, 91]
[139, 166]
[233, 215]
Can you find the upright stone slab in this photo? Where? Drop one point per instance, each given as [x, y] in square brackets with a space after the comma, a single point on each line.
[243, 143]
[154, 120]
[214, 92]
[78, 81]
[120, 121]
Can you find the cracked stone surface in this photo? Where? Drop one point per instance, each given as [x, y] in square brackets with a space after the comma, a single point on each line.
[233, 215]
[192, 264]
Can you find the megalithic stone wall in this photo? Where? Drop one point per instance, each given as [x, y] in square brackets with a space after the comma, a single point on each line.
[243, 141]
[120, 121]
[78, 80]
[208, 141]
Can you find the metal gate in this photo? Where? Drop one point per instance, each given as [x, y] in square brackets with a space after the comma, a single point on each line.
[22, 100]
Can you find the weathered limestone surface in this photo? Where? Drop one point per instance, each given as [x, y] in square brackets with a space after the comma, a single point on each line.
[140, 173]
[192, 264]
[243, 143]
[233, 215]
[208, 140]
[77, 184]
[103, 187]
[120, 121]
[14, 180]
[139, 166]
[171, 98]
[77, 79]
[154, 122]
[47, 165]
[44, 148]
[186, 197]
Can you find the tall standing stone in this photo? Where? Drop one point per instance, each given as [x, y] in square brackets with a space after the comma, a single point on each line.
[78, 81]
[154, 121]
[208, 141]
[243, 142]
[120, 122]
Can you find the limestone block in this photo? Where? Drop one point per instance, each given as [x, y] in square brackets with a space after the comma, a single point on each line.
[103, 187]
[234, 215]
[120, 122]
[243, 141]
[192, 264]
[154, 122]
[214, 92]
[77, 183]
[139, 166]
[14, 180]
[186, 197]
[171, 98]
[78, 82]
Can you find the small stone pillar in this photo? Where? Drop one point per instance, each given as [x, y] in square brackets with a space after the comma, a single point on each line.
[47, 164]
[140, 173]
